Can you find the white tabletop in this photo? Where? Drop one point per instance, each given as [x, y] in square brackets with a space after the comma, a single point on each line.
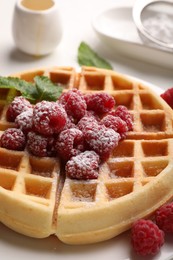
[76, 19]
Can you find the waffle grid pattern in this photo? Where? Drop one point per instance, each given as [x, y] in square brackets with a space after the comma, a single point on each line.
[137, 161]
[133, 164]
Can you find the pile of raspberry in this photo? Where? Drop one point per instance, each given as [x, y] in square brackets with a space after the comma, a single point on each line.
[148, 236]
[80, 129]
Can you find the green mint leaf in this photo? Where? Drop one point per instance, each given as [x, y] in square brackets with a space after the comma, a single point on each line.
[42, 88]
[27, 89]
[46, 89]
[88, 57]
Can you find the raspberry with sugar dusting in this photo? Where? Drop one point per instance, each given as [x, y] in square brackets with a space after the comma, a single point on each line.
[70, 142]
[65, 96]
[49, 117]
[124, 114]
[99, 102]
[147, 238]
[164, 217]
[87, 123]
[74, 103]
[91, 113]
[102, 141]
[17, 106]
[13, 139]
[40, 145]
[83, 166]
[69, 124]
[24, 121]
[115, 123]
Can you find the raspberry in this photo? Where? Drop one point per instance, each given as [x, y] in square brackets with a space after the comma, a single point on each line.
[147, 238]
[69, 124]
[24, 121]
[17, 106]
[65, 96]
[40, 145]
[99, 102]
[49, 117]
[87, 123]
[116, 123]
[164, 218]
[70, 142]
[168, 97]
[91, 113]
[74, 103]
[124, 114]
[83, 166]
[13, 139]
[102, 140]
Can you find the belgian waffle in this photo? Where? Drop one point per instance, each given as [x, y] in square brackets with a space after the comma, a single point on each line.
[37, 199]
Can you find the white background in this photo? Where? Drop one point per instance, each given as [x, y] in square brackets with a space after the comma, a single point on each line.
[76, 18]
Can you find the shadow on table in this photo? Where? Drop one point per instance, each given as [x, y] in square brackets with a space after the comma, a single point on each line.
[19, 56]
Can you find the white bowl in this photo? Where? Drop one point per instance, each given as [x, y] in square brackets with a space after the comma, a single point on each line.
[115, 27]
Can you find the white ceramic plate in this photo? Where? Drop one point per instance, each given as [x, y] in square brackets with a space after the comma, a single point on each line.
[115, 27]
[15, 246]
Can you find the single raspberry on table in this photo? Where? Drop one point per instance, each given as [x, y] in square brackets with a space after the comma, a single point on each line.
[24, 121]
[164, 217]
[69, 143]
[102, 140]
[40, 145]
[168, 97]
[13, 139]
[17, 106]
[74, 103]
[49, 117]
[99, 102]
[122, 112]
[115, 123]
[146, 238]
[83, 166]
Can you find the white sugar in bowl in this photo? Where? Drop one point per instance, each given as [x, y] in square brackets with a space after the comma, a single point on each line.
[36, 28]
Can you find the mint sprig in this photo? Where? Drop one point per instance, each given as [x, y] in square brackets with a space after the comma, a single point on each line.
[46, 89]
[88, 57]
[42, 88]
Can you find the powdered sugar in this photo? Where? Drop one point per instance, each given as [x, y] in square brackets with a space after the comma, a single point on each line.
[69, 143]
[40, 145]
[13, 139]
[49, 117]
[100, 102]
[18, 105]
[115, 123]
[74, 103]
[102, 141]
[160, 26]
[67, 129]
[24, 120]
[83, 166]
